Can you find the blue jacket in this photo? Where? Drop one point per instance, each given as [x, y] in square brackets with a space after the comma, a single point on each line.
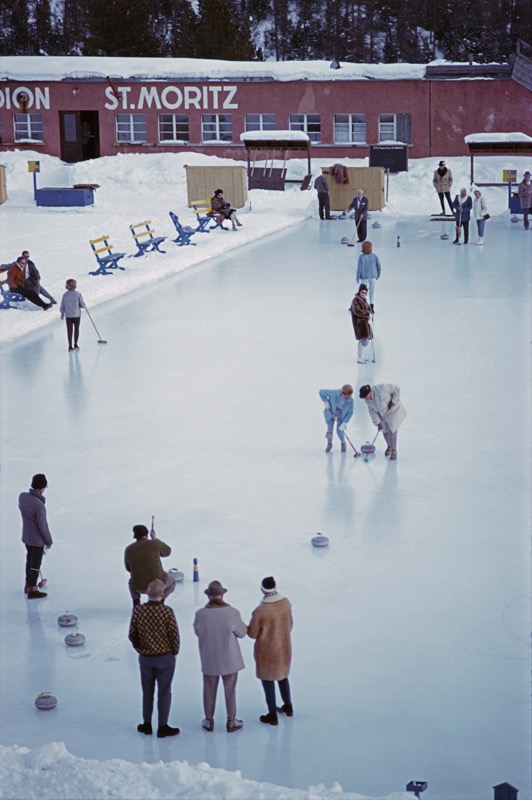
[465, 208]
[368, 267]
[342, 408]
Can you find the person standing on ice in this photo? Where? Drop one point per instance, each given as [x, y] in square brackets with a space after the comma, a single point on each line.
[143, 560]
[386, 411]
[218, 627]
[321, 184]
[154, 634]
[368, 270]
[524, 190]
[70, 308]
[222, 207]
[361, 316]
[35, 533]
[480, 214]
[442, 182]
[360, 205]
[338, 408]
[462, 204]
[270, 626]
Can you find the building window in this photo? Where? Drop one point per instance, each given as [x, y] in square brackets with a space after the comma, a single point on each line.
[131, 128]
[309, 124]
[350, 129]
[261, 122]
[173, 128]
[28, 126]
[217, 127]
[395, 128]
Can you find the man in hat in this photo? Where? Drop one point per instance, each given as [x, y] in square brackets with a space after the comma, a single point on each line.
[524, 190]
[218, 626]
[154, 634]
[35, 533]
[338, 408]
[270, 626]
[142, 560]
[321, 184]
[386, 410]
[442, 182]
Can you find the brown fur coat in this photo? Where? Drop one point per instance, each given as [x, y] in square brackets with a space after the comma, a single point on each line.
[270, 626]
[360, 315]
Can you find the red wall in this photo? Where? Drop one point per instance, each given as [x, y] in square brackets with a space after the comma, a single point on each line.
[443, 112]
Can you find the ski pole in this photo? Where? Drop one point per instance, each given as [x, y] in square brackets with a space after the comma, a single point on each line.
[100, 340]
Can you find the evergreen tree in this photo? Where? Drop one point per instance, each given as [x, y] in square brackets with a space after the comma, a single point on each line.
[120, 28]
[220, 33]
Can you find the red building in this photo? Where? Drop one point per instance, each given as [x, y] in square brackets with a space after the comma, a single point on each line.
[80, 108]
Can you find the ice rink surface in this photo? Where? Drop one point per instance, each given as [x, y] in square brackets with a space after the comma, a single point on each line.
[411, 635]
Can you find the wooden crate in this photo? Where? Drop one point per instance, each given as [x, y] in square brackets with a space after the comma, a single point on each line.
[369, 179]
[202, 181]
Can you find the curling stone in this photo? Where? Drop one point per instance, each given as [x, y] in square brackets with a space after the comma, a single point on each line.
[376, 224]
[444, 236]
[344, 240]
[176, 574]
[67, 620]
[45, 701]
[320, 540]
[513, 218]
[74, 639]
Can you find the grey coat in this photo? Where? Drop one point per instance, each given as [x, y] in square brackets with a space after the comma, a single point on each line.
[217, 629]
[31, 275]
[321, 184]
[35, 530]
[71, 304]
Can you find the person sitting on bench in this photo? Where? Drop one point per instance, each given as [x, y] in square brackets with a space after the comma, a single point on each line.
[32, 278]
[222, 207]
[16, 283]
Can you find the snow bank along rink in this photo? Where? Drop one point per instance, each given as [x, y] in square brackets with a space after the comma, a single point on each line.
[411, 651]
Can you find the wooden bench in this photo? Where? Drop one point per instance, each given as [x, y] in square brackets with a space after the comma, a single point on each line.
[205, 214]
[184, 232]
[145, 245]
[107, 262]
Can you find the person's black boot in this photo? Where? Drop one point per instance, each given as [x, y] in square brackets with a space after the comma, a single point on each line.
[165, 730]
[270, 718]
[145, 727]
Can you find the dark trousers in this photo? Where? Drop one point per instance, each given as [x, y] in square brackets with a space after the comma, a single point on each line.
[526, 212]
[362, 228]
[156, 670]
[465, 226]
[324, 205]
[441, 195]
[33, 564]
[269, 692]
[72, 324]
[31, 295]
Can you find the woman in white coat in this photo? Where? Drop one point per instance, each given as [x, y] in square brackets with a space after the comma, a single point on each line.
[386, 411]
[480, 213]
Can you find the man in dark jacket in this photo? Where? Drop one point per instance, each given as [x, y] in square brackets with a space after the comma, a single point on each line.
[462, 205]
[143, 560]
[360, 205]
[35, 533]
[321, 184]
[32, 278]
[154, 634]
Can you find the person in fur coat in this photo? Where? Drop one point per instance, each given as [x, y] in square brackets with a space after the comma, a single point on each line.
[480, 213]
[361, 315]
[386, 411]
[270, 626]
[442, 182]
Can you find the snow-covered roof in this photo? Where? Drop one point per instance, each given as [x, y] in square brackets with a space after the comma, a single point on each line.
[479, 138]
[53, 68]
[269, 136]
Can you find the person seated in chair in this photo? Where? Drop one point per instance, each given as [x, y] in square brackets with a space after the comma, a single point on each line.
[221, 207]
[16, 283]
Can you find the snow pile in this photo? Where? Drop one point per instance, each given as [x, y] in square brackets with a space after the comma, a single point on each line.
[52, 773]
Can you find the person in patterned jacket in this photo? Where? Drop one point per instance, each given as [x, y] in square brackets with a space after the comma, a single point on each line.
[154, 634]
